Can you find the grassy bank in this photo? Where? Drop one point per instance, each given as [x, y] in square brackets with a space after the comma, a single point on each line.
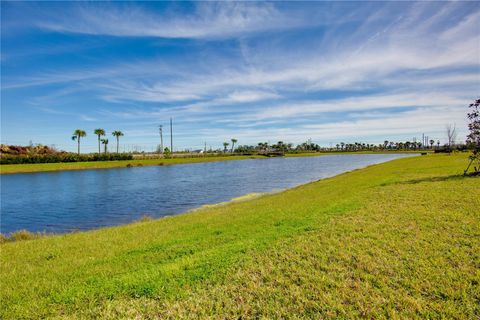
[395, 240]
[43, 167]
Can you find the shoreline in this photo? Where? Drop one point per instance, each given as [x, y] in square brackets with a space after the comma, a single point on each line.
[242, 198]
[7, 237]
[8, 169]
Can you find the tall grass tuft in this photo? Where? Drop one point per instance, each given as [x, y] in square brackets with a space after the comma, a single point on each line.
[145, 218]
[3, 238]
[20, 235]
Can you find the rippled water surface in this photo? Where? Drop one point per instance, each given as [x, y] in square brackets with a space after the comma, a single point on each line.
[77, 200]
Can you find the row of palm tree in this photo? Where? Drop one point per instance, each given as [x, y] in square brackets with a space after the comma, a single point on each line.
[226, 144]
[342, 146]
[78, 134]
[390, 145]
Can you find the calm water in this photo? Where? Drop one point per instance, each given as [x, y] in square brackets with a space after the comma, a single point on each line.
[87, 199]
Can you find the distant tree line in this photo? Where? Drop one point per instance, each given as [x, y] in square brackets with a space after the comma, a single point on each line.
[309, 146]
[41, 154]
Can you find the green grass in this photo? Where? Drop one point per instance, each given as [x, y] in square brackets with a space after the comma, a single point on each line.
[395, 240]
[42, 167]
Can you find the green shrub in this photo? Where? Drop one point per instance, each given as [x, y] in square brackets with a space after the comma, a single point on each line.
[63, 157]
[167, 154]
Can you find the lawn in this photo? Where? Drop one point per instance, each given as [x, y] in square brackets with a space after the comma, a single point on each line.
[394, 240]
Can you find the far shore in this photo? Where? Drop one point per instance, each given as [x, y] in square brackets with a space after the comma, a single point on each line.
[158, 161]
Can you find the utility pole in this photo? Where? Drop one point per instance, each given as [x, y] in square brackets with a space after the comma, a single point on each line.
[205, 148]
[171, 136]
[160, 128]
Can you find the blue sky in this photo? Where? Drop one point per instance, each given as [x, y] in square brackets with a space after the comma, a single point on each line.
[269, 71]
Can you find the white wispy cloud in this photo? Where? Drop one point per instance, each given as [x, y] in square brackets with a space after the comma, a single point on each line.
[210, 20]
[53, 111]
[250, 96]
[389, 101]
[408, 44]
[401, 68]
[388, 126]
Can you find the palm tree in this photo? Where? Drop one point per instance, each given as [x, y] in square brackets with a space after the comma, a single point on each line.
[117, 134]
[99, 132]
[105, 143]
[263, 146]
[431, 143]
[77, 134]
[233, 143]
[225, 145]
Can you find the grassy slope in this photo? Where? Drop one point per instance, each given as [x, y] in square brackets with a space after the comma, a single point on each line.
[396, 240]
[41, 167]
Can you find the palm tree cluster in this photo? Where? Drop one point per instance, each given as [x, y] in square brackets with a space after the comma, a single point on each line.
[263, 146]
[226, 144]
[78, 134]
[386, 145]
[308, 146]
[282, 147]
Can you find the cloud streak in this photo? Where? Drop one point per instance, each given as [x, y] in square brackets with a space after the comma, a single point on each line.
[253, 70]
[209, 20]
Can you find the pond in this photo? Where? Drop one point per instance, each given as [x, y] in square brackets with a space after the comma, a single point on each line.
[66, 201]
